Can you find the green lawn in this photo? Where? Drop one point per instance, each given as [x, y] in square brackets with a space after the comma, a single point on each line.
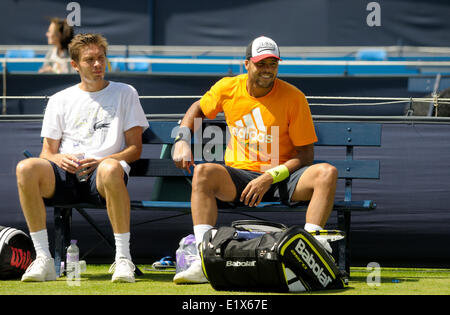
[97, 281]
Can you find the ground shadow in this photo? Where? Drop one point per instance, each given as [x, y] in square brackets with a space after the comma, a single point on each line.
[150, 276]
[383, 279]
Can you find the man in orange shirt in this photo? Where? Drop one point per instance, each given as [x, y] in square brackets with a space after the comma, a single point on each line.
[270, 152]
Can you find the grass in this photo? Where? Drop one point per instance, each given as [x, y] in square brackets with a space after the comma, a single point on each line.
[97, 281]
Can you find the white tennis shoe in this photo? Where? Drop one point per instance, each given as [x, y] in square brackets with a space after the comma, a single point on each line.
[123, 270]
[41, 269]
[194, 274]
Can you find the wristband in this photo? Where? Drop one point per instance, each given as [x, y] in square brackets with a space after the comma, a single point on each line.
[279, 173]
[184, 133]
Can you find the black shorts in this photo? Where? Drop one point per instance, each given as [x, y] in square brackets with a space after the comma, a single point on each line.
[68, 190]
[281, 191]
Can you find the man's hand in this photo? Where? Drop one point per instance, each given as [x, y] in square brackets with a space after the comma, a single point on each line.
[67, 162]
[255, 190]
[72, 164]
[88, 165]
[182, 155]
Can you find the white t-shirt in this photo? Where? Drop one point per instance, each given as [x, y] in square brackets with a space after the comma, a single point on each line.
[93, 123]
[59, 64]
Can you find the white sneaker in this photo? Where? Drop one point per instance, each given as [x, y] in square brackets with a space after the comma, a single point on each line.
[324, 242]
[194, 274]
[123, 270]
[41, 269]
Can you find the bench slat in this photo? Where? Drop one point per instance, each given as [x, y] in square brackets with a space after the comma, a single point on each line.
[368, 169]
[263, 206]
[329, 134]
[185, 206]
[361, 169]
[160, 132]
[156, 168]
[354, 134]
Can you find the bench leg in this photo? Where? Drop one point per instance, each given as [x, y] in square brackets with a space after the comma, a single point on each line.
[63, 221]
[344, 220]
[102, 235]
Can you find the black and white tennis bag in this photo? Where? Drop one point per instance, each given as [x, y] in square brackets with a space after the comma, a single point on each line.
[16, 253]
[262, 256]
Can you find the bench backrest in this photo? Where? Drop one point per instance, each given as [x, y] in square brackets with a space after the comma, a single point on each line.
[344, 134]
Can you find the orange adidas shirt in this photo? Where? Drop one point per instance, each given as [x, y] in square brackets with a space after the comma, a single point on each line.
[264, 131]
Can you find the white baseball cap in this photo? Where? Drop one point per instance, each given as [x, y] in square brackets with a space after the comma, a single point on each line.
[261, 48]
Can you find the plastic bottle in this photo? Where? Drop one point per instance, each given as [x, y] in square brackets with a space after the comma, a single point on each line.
[73, 261]
[186, 253]
[80, 155]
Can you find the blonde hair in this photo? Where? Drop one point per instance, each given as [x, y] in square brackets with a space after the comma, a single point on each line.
[83, 40]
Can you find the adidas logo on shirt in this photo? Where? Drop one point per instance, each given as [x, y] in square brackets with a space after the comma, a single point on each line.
[251, 127]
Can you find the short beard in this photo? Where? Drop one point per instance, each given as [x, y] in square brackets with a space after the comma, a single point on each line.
[264, 84]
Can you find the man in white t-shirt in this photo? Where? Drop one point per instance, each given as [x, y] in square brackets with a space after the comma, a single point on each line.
[91, 132]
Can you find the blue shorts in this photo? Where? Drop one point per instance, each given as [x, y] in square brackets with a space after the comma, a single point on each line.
[68, 190]
[281, 191]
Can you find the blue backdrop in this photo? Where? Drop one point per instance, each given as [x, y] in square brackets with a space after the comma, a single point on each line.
[236, 22]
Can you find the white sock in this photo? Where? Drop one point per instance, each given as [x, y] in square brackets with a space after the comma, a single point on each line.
[309, 227]
[312, 227]
[40, 242]
[199, 232]
[122, 245]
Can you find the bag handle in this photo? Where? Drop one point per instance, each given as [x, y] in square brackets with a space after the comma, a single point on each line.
[258, 225]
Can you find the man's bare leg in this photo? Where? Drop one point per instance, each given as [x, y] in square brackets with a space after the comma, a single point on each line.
[111, 186]
[317, 184]
[210, 181]
[36, 180]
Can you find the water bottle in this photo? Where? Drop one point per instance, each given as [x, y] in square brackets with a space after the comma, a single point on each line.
[80, 155]
[73, 261]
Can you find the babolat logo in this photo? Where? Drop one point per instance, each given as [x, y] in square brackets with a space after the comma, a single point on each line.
[240, 263]
[310, 261]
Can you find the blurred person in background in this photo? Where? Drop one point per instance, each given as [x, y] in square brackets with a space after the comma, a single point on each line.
[59, 34]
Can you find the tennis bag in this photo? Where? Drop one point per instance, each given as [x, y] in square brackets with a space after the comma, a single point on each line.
[267, 257]
[16, 253]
